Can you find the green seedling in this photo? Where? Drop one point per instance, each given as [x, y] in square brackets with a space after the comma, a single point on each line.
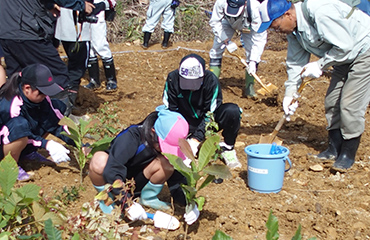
[77, 133]
[68, 195]
[272, 225]
[220, 235]
[22, 210]
[199, 169]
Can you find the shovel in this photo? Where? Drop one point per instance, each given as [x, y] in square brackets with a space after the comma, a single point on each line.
[266, 88]
[270, 138]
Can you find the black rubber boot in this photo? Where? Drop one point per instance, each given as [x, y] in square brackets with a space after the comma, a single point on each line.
[347, 154]
[145, 44]
[110, 74]
[335, 143]
[166, 38]
[93, 69]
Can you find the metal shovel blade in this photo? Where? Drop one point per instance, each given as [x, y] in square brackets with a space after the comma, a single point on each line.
[271, 88]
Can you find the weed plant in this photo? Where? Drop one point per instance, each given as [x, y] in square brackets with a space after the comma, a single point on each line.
[106, 122]
[23, 212]
[69, 195]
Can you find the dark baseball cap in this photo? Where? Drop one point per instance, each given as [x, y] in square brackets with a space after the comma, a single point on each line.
[234, 7]
[191, 72]
[40, 77]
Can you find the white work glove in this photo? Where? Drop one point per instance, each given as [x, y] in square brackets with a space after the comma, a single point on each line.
[312, 69]
[252, 67]
[187, 162]
[192, 216]
[57, 151]
[136, 212]
[289, 109]
[194, 143]
[230, 46]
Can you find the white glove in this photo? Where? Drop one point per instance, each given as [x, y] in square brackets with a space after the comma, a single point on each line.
[136, 212]
[187, 162]
[57, 151]
[231, 46]
[312, 69]
[194, 143]
[289, 109]
[252, 67]
[192, 216]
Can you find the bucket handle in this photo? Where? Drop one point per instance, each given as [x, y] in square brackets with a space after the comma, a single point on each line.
[290, 164]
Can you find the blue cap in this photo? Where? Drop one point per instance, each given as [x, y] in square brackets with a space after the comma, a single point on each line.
[271, 10]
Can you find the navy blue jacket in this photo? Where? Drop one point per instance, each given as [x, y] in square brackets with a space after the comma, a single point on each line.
[128, 155]
[20, 117]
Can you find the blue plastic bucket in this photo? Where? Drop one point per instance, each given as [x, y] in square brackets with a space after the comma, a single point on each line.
[266, 170]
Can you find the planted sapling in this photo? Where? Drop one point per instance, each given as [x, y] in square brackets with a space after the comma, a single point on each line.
[77, 133]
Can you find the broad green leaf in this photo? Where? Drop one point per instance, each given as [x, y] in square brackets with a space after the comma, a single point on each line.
[74, 136]
[297, 235]
[218, 170]
[76, 236]
[8, 174]
[53, 217]
[219, 235]
[9, 208]
[70, 124]
[3, 223]
[83, 126]
[51, 231]
[30, 192]
[103, 195]
[118, 184]
[179, 165]
[5, 235]
[208, 180]
[100, 145]
[207, 150]
[38, 211]
[272, 225]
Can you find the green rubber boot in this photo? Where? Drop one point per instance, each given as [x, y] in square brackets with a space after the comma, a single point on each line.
[149, 197]
[103, 207]
[249, 86]
[216, 70]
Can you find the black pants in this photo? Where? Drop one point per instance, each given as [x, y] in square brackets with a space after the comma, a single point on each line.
[21, 53]
[78, 56]
[227, 116]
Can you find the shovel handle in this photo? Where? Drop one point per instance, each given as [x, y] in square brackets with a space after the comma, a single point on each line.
[282, 119]
[253, 74]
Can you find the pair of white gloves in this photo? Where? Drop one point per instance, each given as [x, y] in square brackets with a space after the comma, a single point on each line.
[57, 152]
[161, 220]
[312, 70]
[231, 47]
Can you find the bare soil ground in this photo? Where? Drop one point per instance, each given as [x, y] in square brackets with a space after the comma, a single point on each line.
[328, 205]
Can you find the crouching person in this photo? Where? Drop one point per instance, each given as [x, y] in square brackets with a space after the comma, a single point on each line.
[136, 153]
[27, 115]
